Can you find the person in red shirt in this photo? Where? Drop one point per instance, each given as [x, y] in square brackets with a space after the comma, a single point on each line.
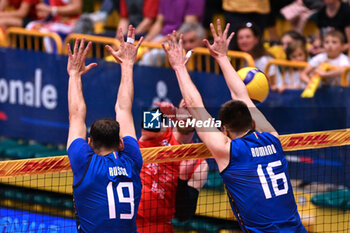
[171, 188]
[62, 16]
[142, 17]
[23, 13]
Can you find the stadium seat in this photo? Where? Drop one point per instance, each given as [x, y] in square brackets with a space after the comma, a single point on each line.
[24, 152]
[214, 181]
[8, 143]
[339, 199]
[202, 225]
[50, 153]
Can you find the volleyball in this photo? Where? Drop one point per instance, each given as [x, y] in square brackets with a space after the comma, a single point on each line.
[256, 82]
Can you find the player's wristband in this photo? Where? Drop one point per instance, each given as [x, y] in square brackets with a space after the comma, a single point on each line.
[54, 10]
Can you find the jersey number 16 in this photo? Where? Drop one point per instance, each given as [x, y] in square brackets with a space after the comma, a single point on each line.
[274, 178]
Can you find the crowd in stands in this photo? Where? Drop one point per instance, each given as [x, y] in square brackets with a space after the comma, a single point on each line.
[155, 19]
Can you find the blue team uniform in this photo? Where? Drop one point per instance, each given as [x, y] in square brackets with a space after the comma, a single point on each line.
[258, 185]
[106, 189]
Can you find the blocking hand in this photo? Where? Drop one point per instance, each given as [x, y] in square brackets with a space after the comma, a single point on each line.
[128, 51]
[76, 61]
[220, 46]
[175, 51]
[168, 109]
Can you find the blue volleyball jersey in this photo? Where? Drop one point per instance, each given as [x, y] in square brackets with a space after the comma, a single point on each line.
[258, 185]
[108, 193]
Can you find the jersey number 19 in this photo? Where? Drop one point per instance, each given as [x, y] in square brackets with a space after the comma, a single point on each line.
[121, 198]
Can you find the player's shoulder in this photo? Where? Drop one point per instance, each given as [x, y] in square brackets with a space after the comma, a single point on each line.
[132, 149]
[79, 145]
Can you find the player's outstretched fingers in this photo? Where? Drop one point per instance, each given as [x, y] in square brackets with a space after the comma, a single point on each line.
[90, 66]
[112, 52]
[181, 41]
[226, 30]
[69, 50]
[218, 22]
[120, 36]
[86, 50]
[170, 42]
[140, 42]
[230, 38]
[129, 31]
[75, 51]
[133, 33]
[81, 47]
[173, 38]
[165, 49]
[212, 29]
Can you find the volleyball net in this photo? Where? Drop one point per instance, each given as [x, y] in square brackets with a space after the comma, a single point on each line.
[36, 194]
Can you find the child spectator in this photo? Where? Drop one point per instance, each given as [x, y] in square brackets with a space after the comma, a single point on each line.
[333, 44]
[290, 37]
[23, 13]
[296, 51]
[335, 15]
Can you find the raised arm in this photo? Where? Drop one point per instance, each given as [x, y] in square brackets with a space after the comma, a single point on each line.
[216, 141]
[126, 57]
[238, 91]
[76, 103]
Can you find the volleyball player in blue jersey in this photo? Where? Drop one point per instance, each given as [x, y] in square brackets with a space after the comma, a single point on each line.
[248, 152]
[106, 168]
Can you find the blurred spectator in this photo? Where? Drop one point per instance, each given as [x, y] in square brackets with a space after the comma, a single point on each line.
[169, 19]
[59, 16]
[193, 34]
[140, 13]
[333, 44]
[295, 51]
[87, 22]
[23, 13]
[237, 12]
[292, 36]
[211, 9]
[171, 14]
[248, 39]
[275, 6]
[107, 7]
[299, 11]
[5, 4]
[334, 15]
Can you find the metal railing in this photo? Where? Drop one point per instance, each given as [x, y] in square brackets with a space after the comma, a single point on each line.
[32, 40]
[99, 42]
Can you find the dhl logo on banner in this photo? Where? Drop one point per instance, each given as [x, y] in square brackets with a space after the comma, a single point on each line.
[290, 142]
[315, 140]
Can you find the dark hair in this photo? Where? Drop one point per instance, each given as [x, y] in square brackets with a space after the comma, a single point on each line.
[292, 47]
[337, 34]
[105, 133]
[259, 49]
[296, 36]
[235, 115]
